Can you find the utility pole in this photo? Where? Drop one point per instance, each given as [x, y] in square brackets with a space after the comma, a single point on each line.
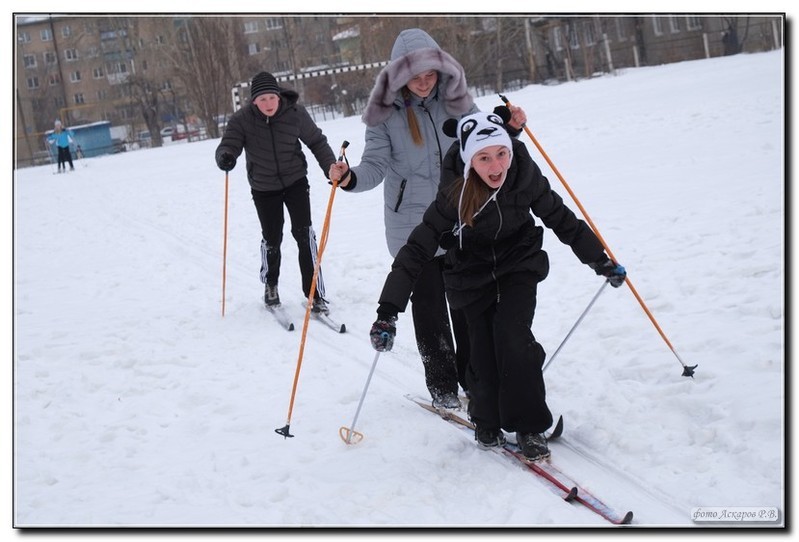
[60, 68]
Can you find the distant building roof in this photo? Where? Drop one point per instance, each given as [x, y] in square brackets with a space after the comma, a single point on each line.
[352, 32]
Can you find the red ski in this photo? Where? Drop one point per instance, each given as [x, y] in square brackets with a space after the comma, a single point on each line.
[557, 479]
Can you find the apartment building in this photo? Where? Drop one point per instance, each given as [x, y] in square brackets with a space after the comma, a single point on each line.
[145, 74]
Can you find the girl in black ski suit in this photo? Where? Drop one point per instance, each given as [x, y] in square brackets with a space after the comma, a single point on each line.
[494, 262]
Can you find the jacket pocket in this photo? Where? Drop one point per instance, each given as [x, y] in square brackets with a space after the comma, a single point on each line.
[399, 196]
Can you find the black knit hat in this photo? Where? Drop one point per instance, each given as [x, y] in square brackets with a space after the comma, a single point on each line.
[263, 83]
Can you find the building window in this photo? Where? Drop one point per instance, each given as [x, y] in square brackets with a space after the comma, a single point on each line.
[621, 29]
[50, 58]
[657, 26]
[46, 35]
[74, 76]
[54, 79]
[557, 38]
[674, 24]
[693, 23]
[589, 31]
[274, 23]
[33, 82]
[250, 27]
[71, 54]
[253, 49]
[574, 39]
[98, 73]
[79, 99]
[66, 31]
[29, 61]
[24, 37]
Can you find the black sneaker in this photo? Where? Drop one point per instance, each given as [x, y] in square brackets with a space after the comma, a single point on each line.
[446, 400]
[320, 306]
[533, 446]
[489, 437]
[271, 297]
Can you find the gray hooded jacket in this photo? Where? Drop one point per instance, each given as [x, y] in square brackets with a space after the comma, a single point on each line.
[411, 173]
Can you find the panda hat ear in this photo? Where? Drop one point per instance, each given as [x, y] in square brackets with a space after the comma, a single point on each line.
[450, 127]
[503, 112]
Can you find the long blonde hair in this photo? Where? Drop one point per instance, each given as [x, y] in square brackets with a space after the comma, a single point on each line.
[469, 196]
[413, 124]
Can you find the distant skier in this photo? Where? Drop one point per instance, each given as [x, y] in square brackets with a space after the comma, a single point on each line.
[62, 139]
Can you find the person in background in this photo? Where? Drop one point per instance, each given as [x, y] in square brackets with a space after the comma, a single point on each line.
[269, 130]
[494, 262]
[62, 139]
[414, 94]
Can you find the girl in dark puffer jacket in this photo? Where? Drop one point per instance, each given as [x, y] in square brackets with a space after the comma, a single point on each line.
[494, 262]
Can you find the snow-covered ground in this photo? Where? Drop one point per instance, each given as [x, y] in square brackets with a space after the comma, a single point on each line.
[137, 404]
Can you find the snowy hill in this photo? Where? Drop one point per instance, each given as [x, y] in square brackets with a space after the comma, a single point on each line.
[137, 404]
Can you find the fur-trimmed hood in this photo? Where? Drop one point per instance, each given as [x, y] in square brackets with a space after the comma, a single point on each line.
[415, 52]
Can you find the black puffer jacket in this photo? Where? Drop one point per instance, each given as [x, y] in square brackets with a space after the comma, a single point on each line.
[504, 240]
[275, 158]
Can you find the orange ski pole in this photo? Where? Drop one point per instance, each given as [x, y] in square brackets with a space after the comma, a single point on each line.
[322, 244]
[687, 370]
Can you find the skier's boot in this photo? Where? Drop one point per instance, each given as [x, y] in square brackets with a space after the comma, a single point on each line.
[489, 437]
[533, 446]
[271, 297]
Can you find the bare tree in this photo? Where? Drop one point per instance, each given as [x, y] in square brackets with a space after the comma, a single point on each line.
[201, 63]
[138, 89]
[145, 97]
[731, 39]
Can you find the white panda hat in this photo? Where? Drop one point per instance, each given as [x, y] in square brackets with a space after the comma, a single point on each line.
[477, 131]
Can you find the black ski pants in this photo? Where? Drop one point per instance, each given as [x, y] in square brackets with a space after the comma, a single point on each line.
[64, 156]
[505, 376]
[444, 360]
[269, 206]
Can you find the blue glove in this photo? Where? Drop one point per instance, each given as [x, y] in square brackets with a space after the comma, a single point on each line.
[614, 272]
[226, 161]
[383, 332]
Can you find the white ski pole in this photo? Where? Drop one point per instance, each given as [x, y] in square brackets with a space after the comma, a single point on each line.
[347, 433]
[577, 323]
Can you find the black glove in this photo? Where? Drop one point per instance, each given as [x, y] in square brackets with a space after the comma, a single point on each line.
[226, 161]
[614, 272]
[383, 332]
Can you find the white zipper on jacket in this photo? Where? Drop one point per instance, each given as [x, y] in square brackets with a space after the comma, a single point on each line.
[493, 246]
